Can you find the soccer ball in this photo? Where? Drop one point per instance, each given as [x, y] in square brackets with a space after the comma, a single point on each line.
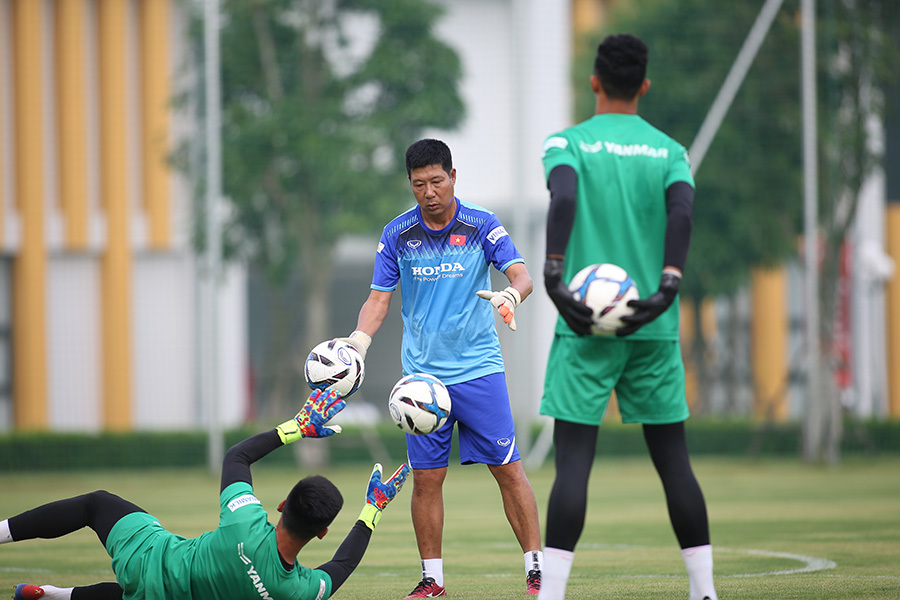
[335, 365]
[605, 289]
[419, 403]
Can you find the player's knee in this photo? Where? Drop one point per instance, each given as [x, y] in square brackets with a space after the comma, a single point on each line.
[99, 499]
[427, 481]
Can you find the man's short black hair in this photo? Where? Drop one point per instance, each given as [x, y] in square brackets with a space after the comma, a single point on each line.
[428, 152]
[311, 507]
[621, 65]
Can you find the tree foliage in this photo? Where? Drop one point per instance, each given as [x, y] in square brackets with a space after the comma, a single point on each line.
[320, 100]
[749, 191]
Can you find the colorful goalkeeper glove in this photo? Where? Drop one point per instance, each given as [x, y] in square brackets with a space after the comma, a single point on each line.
[379, 494]
[359, 340]
[505, 302]
[648, 309]
[310, 421]
[577, 316]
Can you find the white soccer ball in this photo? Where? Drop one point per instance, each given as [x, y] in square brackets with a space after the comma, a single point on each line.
[605, 289]
[335, 365]
[419, 404]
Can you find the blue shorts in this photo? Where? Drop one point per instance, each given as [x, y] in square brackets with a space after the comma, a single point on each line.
[487, 434]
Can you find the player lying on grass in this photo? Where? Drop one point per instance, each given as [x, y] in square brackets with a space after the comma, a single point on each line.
[245, 557]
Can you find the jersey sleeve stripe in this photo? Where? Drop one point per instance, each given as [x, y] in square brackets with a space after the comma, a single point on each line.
[512, 262]
[382, 288]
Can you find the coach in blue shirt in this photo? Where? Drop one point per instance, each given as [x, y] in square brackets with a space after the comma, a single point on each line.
[440, 252]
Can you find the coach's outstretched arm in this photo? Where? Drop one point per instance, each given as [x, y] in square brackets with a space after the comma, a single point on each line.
[309, 422]
[371, 316]
[378, 496]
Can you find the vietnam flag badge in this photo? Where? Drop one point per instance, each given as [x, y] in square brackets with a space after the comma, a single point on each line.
[457, 239]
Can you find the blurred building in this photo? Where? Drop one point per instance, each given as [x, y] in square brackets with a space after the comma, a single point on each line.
[97, 274]
[99, 281]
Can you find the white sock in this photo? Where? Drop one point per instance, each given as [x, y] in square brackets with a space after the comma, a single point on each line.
[434, 568]
[55, 593]
[534, 561]
[555, 574]
[699, 563]
[5, 536]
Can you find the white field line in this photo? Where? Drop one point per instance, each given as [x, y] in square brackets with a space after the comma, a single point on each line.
[810, 564]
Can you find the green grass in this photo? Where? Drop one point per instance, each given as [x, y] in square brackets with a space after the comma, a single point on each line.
[770, 520]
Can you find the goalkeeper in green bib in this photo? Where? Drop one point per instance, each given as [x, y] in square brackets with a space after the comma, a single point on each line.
[245, 557]
[621, 192]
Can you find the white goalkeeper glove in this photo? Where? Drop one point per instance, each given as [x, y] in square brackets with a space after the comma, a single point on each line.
[505, 302]
[359, 340]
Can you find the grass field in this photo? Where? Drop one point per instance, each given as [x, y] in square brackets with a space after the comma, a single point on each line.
[781, 530]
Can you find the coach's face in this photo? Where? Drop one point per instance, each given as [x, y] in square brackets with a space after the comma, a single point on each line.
[433, 188]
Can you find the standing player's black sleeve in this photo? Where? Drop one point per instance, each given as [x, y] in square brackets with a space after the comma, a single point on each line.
[680, 210]
[236, 465]
[563, 185]
[348, 555]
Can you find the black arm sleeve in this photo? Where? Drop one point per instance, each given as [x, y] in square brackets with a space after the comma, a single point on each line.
[680, 208]
[348, 555]
[563, 186]
[236, 465]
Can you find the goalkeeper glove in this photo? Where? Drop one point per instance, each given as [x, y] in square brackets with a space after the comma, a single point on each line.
[505, 302]
[647, 310]
[379, 494]
[359, 340]
[577, 316]
[310, 421]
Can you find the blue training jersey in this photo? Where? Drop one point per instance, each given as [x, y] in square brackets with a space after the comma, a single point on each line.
[448, 331]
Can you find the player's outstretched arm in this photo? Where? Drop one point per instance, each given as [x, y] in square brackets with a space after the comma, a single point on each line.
[350, 553]
[379, 494]
[360, 340]
[309, 422]
[371, 316]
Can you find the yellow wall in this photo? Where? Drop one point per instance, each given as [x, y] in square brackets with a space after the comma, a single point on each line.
[71, 83]
[156, 89]
[129, 89]
[893, 311]
[29, 265]
[114, 174]
[768, 339]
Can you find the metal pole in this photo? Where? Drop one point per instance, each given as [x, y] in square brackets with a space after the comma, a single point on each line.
[519, 388]
[210, 310]
[733, 82]
[813, 423]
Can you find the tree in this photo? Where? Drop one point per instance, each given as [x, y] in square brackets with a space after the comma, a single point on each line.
[858, 60]
[749, 198]
[320, 100]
